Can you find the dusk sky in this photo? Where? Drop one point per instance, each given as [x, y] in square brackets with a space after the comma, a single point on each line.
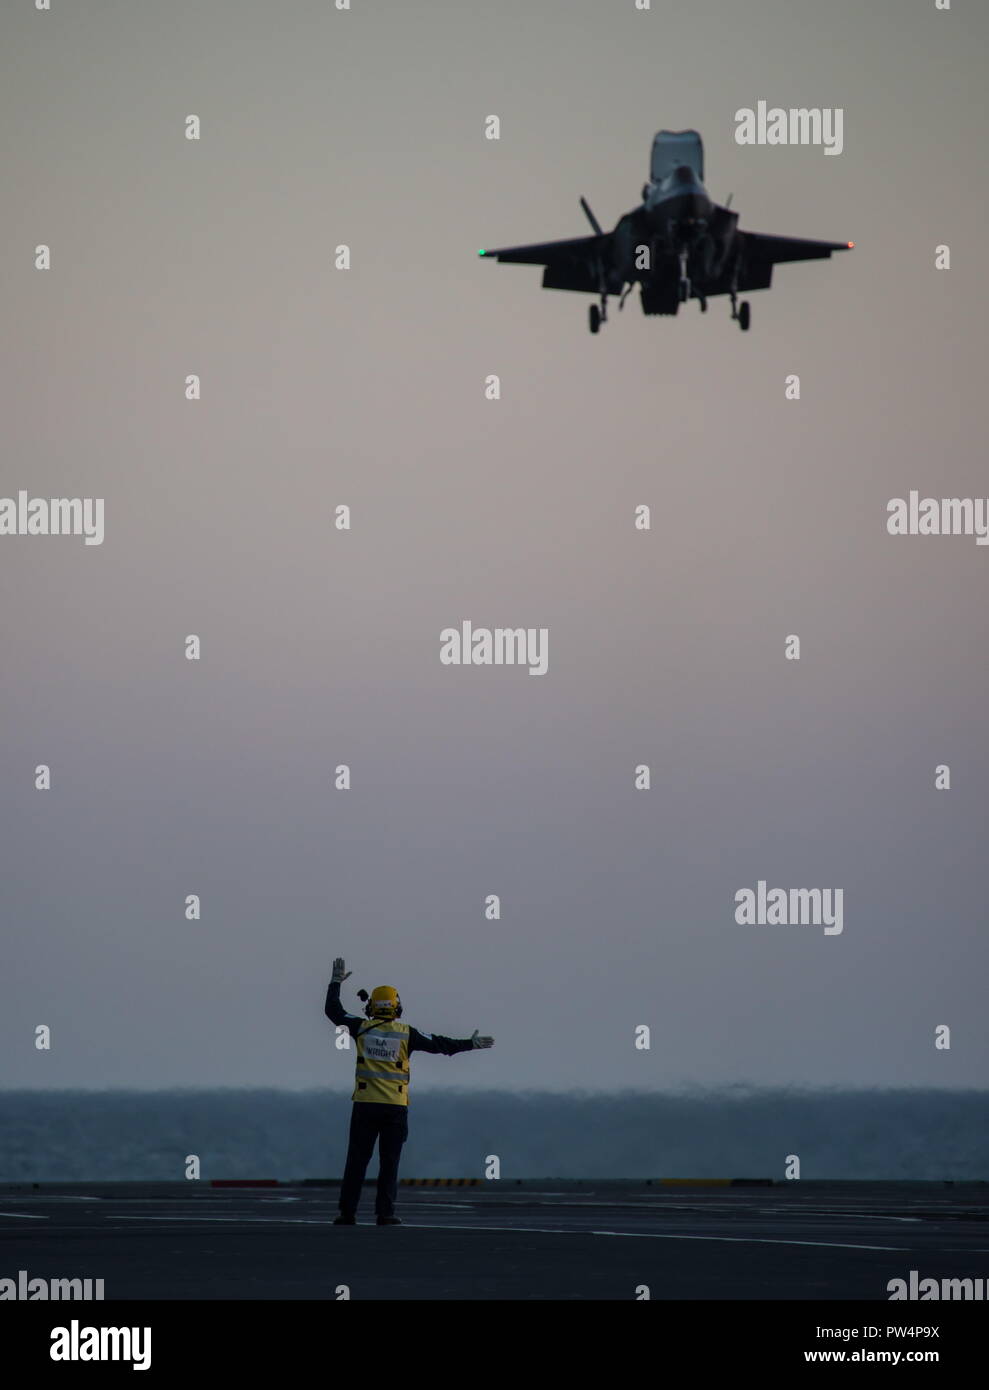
[365, 387]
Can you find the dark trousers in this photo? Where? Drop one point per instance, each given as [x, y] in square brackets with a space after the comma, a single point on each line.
[370, 1123]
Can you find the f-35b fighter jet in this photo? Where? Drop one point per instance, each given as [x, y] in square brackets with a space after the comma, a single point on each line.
[677, 245]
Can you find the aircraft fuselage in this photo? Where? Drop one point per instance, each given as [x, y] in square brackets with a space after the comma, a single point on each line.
[679, 199]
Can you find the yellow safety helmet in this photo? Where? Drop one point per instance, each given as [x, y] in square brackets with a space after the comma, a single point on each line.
[384, 1003]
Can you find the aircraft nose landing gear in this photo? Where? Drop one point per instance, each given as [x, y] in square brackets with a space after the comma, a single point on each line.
[684, 287]
[596, 316]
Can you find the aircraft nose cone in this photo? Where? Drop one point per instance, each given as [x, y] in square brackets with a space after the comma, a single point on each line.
[688, 194]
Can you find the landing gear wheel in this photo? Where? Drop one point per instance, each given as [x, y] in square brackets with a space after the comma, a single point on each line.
[594, 318]
[684, 289]
[744, 316]
[703, 304]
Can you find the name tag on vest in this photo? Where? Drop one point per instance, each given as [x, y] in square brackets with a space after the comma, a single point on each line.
[378, 1049]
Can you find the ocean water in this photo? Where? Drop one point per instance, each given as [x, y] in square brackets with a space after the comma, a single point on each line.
[103, 1135]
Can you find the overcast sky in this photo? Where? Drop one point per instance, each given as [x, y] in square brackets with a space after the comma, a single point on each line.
[323, 387]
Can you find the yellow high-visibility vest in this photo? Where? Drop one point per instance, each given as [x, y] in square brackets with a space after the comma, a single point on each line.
[383, 1062]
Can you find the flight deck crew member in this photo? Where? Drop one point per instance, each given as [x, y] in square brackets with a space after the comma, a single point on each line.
[381, 1093]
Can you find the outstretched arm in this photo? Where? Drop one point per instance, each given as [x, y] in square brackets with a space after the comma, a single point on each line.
[333, 1009]
[436, 1042]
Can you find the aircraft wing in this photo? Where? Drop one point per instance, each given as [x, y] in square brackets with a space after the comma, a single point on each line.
[577, 249]
[760, 253]
[771, 250]
[569, 265]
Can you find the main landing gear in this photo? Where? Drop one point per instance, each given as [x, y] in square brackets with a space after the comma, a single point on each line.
[741, 313]
[596, 316]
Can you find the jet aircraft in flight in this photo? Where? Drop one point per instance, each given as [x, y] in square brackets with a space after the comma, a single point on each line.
[676, 245]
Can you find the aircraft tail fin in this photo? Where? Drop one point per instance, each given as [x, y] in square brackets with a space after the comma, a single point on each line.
[672, 148]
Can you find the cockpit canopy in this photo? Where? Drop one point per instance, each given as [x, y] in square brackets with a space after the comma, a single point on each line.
[673, 148]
